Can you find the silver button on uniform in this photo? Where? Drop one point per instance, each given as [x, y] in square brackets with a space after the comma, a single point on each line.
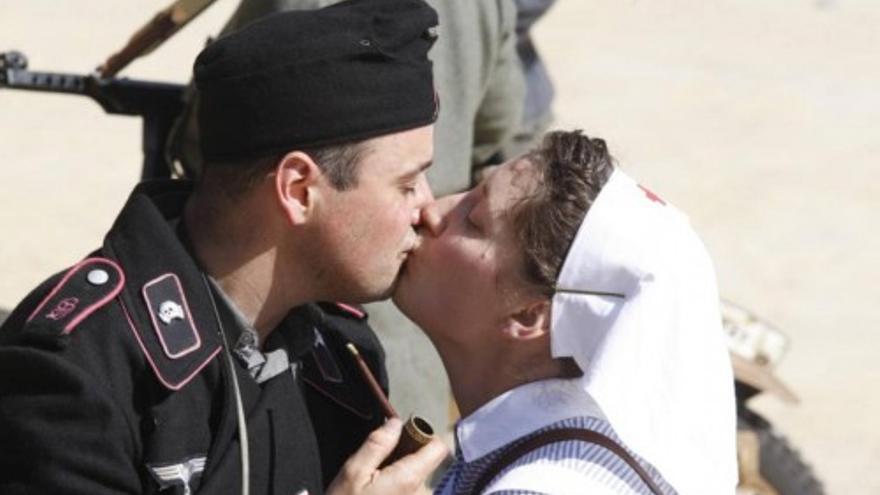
[98, 277]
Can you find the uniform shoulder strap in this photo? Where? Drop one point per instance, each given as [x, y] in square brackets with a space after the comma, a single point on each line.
[514, 452]
[83, 290]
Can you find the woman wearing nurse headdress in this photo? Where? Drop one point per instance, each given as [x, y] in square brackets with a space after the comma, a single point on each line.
[577, 316]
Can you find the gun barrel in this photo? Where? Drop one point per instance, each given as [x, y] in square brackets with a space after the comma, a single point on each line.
[51, 82]
[14, 74]
[159, 104]
[116, 96]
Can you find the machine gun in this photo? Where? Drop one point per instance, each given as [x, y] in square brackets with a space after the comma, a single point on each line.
[159, 104]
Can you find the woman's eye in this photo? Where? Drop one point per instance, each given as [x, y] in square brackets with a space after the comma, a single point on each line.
[470, 223]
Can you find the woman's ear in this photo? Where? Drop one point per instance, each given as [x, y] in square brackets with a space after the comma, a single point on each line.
[295, 176]
[530, 322]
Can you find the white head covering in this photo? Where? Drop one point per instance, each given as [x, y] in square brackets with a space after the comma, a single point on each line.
[637, 308]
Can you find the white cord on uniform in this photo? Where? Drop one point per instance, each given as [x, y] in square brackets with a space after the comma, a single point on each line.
[239, 405]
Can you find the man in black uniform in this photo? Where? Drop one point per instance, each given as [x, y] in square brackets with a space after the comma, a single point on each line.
[189, 353]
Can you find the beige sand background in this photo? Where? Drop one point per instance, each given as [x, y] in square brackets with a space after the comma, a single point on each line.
[758, 118]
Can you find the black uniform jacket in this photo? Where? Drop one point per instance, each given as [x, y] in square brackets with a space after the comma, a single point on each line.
[114, 379]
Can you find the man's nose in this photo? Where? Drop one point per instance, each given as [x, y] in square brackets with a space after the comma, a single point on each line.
[425, 193]
[424, 197]
[435, 215]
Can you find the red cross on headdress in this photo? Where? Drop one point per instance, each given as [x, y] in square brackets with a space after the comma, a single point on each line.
[653, 197]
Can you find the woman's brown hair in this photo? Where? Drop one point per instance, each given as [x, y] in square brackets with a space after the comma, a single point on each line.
[571, 168]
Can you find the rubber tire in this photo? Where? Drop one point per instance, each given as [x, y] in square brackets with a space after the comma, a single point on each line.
[781, 465]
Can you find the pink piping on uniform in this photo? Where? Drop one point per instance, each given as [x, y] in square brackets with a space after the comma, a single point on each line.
[91, 309]
[153, 364]
[94, 307]
[192, 322]
[352, 309]
[334, 399]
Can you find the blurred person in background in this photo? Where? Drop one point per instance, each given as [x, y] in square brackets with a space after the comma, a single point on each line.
[538, 103]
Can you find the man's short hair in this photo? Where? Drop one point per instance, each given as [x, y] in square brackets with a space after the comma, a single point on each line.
[338, 162]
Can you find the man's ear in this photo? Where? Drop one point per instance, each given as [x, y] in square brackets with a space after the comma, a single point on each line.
[295, 176]
[529, 322]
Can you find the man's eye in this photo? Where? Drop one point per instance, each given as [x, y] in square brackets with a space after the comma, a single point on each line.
[408, 189]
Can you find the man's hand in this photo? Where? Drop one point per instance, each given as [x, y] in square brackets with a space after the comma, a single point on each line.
[361, 474]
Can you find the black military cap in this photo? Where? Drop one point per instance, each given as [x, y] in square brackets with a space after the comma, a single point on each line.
[301, 79]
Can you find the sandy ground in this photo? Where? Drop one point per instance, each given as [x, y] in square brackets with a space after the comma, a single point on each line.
[758, 118]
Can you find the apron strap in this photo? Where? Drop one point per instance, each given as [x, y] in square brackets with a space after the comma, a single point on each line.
[510, 455]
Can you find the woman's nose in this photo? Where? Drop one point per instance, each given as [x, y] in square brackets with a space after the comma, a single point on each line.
[435, 214]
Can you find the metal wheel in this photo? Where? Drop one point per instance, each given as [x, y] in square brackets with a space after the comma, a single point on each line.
[768, 463]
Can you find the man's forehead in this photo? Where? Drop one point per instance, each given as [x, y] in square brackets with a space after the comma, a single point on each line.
[401, 154]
